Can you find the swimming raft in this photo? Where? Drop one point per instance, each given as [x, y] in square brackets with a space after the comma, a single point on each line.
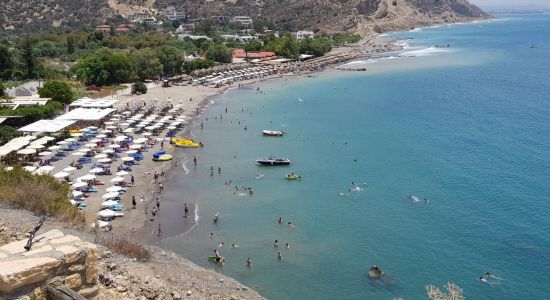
[162, 156]
[292, 177]
[185, 143]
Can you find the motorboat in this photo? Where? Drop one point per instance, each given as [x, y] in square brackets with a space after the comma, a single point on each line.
[273, 161]
[273, 132]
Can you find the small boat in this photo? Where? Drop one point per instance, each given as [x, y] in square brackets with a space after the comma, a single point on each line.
[273, 132]
[163, 157]
[292, 176]
[185, 143]
[273, 161]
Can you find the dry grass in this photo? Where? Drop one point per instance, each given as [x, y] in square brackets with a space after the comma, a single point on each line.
[40, 194]
[126, 247]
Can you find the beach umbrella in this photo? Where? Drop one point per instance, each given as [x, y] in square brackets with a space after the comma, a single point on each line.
[77, 194]
[104, 160]
[92, 127]
[103, 132]
[29, 168]
[109, 123]
[128, 130]
[84, 149]
[110, 195]
[127, 158]
[88, 177]
[96, 170]
[108, 151]
[78, 154]
[79, 184]
[113, 189]
[117, 179]
[26, 151]
[131, 152]
[109, 203]
[93, 141]
[89, 145]
[101, 136]
[49, 138]
[146, 134]
[106, 213]
[122, 173]
[99, 156]
[135, 147]
[171, 127]
[54, 148]
[120, 138]
[62, 143]
[61, 174]
[140, 141]
[43, 170]
[125, 124]
[36, 146]
[114, 146]
[69, 169]
[77, 134]
[110, 127]
[70, 140]
[45, 153]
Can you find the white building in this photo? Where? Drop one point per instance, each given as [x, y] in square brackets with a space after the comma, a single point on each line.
[243, 39]
[243, 20]
[304, 34]
[139, 16]
[173, 15]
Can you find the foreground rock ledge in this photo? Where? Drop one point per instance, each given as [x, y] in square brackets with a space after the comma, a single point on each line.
[54, 254]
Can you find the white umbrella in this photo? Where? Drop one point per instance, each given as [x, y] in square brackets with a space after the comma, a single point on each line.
[92, 127]
[26, 151]
[29, 168]
[120, 138]
[70, 140]
[131, 151]
[44, 153]
[90, 145]
[101, 156]
[61, 174]
[85, 149]
[114, 146]
[94, 141]
[102, 136]
[36, 146]
[77, 134]
[54, 148]
[109, 123]
[106, 213]
[88, 177]
[109, 203]
[104, 160]
[110, 195]
[69, 169]
[44, 170]
[108, 151]
[96, 170]
[78, 154]
[146, 134]
[127, 158]
[171, 127]
[117, 179]
[62, 143]
[122, 173]
[135, 147]
[128, 130]
[110, 127]
[79, 184]
[77, 194]
[115, 188]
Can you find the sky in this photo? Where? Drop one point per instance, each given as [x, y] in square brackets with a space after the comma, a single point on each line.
[511, 2]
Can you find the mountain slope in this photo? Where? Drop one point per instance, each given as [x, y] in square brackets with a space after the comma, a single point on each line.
[363, 16]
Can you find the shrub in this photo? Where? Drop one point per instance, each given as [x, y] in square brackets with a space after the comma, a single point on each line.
[31, 114]
[139, 88]
[58, 90]
[7, 133]
[40, 194]
[126, 247]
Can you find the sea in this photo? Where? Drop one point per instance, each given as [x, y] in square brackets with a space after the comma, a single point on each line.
[459, 119]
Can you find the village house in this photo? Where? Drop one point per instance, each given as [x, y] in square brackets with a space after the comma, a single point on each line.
[243, 20]
[304, 34]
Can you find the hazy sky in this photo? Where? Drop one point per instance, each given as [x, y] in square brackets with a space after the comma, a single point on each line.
[511, 2]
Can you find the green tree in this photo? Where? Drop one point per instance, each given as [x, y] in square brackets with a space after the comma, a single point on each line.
[6, 62]
[197, 64]
[71, 44]
[28, 61]
[148, 64]
[171, 59]
[8, 133]
[317, 46]
[139, 88]
[121, 67]
[219, 53]
[106, 67]
[2, 90]
[204, 27]
[58, 90]
[254, 45]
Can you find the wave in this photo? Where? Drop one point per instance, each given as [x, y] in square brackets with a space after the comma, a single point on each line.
[425, 52]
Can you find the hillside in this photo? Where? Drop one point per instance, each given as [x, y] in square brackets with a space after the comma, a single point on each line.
[363, 16]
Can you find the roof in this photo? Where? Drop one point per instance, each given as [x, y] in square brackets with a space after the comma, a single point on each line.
[29, 101]
[86, 114]
[88, 102]
[47, 126]
[15, 144]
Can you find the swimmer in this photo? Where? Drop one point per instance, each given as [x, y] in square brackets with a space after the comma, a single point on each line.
[287, 246]
[221, 245]
[211, 235]
[234, 245]
[276, 244]
[290, 225]
[280, 221]
[279, 256]
[248, 262]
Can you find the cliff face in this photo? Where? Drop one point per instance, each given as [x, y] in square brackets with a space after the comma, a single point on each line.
[362, 16]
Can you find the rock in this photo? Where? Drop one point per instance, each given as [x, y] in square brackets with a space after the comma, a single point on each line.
[111, 266]
[176, 295]
[221, 280]
[163, 253]
[89, 292]
[158, 276]
[76, 268]
[233, 297]
[121, 289]
[73, 281]
[134, 259]
[106, 254]
[21, 272]
[70, 253]
[188, 293]
[91, 262]
[39, 294]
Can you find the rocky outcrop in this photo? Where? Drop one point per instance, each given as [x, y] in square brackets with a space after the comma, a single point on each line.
[54, 255]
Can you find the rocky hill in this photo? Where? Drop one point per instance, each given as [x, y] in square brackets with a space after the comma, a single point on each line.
[362, 16]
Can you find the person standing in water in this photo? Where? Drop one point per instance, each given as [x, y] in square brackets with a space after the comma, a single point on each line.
[248, 262]
[185, 210]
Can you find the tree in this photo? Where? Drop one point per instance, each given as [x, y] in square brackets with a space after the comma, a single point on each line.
[6, 62]
[317, 46]
[58, 90]
[253, 45]
[139, 88]
[2, 90]
[70, 44]
[286, 46]
[8, 133]
[197, 64]
[148, 63]
[27, 58]
[106, 67]
[171, 59]
[219, 53]
[204, 27]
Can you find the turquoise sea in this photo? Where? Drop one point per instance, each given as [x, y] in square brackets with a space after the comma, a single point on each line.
[467, 127]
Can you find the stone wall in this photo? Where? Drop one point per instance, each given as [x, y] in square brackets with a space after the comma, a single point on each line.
[53, 255]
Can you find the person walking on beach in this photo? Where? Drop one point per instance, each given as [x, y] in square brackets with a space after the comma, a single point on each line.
[161, 144]
[132, 179]
[195, 159]
[158, 203]
[161, 188]
[134, 202]
[153, 214]
[160, 231]
[186, 211]
[156, 176]
[219, 171]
